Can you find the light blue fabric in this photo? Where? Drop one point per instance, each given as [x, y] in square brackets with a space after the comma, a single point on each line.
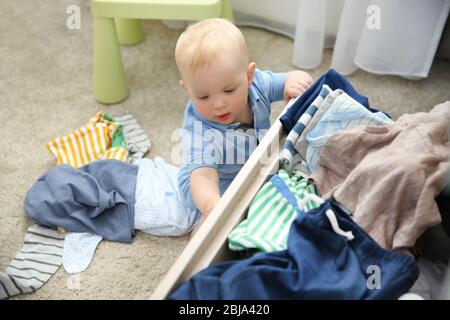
[79, 248]
[344, 113]
[290, 159]
[227, 147]
[158, 208]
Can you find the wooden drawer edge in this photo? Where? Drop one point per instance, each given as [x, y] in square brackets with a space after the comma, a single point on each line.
[208, 244]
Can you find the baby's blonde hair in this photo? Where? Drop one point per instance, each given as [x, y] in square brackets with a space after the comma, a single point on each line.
[201, 42]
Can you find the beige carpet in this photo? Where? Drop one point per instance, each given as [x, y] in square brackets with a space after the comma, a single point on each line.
[45, 79]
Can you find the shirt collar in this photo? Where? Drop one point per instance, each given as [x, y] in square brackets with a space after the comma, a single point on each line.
[254, 97]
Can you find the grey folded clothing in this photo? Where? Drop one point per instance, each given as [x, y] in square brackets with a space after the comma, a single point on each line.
[136, 139]
[98, 198]
[34, 264]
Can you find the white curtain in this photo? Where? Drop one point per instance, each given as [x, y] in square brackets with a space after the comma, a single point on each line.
[398, 37]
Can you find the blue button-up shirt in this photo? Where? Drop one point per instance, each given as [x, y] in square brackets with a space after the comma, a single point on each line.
[227, 147]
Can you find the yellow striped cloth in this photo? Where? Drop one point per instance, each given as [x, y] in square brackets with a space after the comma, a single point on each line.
[87, 144]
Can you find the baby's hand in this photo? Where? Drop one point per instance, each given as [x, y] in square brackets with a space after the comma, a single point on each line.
[210, 204]
[296, 83]
[209, 207]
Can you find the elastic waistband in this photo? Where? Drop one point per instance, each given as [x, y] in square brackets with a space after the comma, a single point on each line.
[362, 242]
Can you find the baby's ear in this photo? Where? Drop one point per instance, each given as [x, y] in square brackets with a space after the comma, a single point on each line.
[250, 73]
[182, 85]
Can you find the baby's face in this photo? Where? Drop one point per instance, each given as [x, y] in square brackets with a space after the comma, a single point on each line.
[220, 91]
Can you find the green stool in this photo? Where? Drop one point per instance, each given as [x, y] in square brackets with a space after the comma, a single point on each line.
[122, 21]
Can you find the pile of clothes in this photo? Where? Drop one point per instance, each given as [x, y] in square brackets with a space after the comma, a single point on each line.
[354, 192]
[96, 175]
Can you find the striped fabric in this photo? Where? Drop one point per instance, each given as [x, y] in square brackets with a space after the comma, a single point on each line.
[94, 141]
[344, 113]
[136, 139]
[289, 156]
[34, 264]
[270, 216]
[301, 145]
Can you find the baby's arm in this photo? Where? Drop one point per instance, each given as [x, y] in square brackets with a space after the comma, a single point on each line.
[204, 185]
[280, 85]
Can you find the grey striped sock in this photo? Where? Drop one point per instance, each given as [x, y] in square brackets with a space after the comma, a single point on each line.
[136, 139]
[37, 260]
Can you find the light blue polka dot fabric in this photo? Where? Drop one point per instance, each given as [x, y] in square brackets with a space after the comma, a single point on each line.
[79, 248]
[158, 208]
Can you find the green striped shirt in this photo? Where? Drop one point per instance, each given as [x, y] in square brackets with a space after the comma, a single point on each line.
[270, 216]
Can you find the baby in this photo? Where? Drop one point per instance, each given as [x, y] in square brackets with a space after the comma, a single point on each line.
[229, 100]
